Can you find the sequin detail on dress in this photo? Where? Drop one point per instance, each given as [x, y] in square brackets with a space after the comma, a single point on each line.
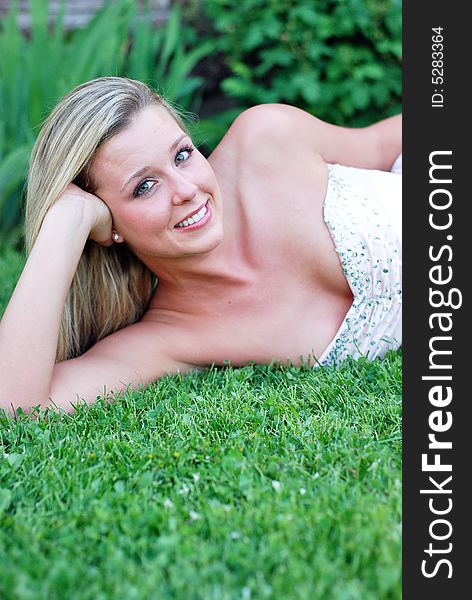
[362, 210]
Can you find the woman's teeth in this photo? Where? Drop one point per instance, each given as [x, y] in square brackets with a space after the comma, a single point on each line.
[194, 218]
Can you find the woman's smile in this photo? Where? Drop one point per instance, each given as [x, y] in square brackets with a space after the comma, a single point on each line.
[195, 219]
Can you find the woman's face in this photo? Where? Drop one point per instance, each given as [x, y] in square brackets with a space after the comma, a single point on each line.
[162, 193]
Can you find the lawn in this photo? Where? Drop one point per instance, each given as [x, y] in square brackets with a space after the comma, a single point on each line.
[259, 482]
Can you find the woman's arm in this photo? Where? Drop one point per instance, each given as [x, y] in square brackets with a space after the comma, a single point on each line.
[373, 147]
[29, 329]
[389, 135]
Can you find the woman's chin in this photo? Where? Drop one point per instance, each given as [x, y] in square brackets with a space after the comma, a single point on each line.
[201, 240]
[179, 247]
[204, 245]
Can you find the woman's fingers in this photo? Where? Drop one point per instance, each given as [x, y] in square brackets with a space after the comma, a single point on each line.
[98, 213]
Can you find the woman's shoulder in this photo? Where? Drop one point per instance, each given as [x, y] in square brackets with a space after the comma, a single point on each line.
[275, 121]
[265, 136]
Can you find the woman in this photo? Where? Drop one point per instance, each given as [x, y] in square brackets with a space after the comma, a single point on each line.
[264, 251]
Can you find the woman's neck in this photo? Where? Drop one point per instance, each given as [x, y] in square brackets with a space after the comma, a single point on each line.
[197, 280]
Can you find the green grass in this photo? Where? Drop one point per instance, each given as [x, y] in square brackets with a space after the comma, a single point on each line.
[260, 482]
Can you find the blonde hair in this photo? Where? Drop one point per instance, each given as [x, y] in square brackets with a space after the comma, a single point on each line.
[111, 287]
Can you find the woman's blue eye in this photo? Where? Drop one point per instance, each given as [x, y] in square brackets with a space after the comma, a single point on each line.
[144, 187]
[183, 154]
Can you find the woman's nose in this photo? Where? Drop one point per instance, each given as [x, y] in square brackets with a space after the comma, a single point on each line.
[183, 190]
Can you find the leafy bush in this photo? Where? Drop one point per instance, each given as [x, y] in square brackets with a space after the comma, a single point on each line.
[338, 59]
[36, 70]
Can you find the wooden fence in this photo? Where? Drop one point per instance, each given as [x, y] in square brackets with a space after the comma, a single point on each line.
[79, 12]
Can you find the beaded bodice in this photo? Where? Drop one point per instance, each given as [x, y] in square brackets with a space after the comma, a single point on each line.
[362, 210]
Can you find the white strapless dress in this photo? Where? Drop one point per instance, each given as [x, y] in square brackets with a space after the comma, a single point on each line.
[363, 211]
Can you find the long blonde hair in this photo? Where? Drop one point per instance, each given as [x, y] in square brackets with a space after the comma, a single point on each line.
[111, 287]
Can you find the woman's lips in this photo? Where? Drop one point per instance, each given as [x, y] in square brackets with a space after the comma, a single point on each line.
[198, 224]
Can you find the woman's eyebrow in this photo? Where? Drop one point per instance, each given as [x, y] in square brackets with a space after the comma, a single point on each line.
[144, 169]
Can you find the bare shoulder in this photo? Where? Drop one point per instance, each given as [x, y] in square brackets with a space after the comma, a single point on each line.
[263, 116]
[132, 357]
[294, 132]
[279, 123]
[263, 138]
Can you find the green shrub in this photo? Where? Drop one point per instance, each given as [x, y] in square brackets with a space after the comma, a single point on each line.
[338, 59]
[36, 70]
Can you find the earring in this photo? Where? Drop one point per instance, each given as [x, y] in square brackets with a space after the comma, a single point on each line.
[116, 237]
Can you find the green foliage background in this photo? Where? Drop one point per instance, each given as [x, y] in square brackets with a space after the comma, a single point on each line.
[338, 59]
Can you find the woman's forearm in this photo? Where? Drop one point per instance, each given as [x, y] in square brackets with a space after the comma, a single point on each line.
[29, 329]
[389, 137]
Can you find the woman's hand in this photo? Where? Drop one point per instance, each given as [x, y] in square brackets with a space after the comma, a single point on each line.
[94, 211]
